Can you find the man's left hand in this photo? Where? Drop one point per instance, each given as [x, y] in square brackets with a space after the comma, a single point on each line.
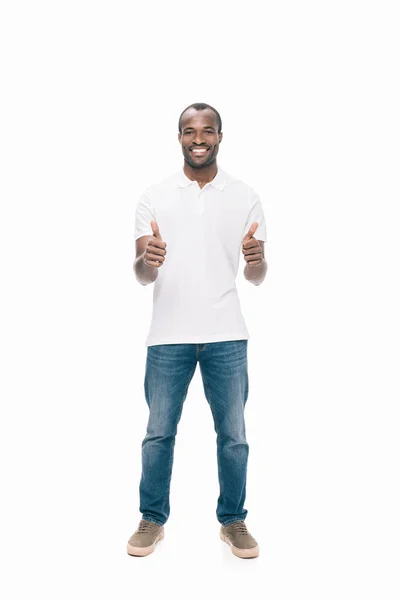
[251, 248]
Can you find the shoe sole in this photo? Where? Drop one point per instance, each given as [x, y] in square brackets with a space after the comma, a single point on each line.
[144, 551]
[240, 552]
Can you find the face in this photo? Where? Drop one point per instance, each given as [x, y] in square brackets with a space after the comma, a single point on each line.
[199, 138]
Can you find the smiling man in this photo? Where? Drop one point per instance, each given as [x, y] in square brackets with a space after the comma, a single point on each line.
[190, 231]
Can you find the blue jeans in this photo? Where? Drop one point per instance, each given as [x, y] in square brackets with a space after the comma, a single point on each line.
[169, 371]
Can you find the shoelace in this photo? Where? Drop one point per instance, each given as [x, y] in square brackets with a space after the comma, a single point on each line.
[240, 527]
[145, 526]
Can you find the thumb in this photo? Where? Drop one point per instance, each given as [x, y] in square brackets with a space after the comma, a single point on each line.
[250, 232]
[156, 231]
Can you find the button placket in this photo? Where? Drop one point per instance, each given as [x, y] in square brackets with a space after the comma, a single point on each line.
[199, 201]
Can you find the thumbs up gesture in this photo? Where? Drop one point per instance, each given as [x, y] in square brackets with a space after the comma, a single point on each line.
[155, 252]
[251, 247]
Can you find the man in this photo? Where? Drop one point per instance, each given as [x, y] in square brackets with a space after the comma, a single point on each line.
[189, 231]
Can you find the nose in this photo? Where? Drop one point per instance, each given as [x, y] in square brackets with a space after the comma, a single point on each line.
[198, 138]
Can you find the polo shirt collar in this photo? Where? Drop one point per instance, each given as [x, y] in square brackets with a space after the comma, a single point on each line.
[218, 182]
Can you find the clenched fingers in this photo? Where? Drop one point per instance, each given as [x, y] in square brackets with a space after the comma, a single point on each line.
[153, 260]
[155, 252]
[153, 241]
[254, 259]
[252, 252]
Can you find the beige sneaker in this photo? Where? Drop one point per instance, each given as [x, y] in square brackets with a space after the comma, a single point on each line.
[242, 543]
[145, 538]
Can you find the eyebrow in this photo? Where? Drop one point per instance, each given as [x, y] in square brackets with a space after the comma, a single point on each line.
[206, 127]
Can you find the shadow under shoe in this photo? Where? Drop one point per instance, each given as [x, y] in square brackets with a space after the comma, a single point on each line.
[145, 538]
[241, 541]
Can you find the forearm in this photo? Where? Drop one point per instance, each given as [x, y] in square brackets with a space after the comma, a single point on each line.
[144, 273]
[256, 274]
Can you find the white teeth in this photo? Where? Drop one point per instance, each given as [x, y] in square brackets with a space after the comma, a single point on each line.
[200, 151]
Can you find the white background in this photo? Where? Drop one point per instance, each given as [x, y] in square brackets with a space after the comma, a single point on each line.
[309, 98]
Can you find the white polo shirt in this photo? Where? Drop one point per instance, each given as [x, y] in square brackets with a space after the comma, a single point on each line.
[195, 299]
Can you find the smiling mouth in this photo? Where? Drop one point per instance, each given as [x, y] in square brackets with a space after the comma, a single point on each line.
[199, 151]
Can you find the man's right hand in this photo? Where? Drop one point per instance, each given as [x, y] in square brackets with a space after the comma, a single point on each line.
[155, 252]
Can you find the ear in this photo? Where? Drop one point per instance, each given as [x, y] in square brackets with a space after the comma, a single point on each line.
[179, 137]
[220, 135]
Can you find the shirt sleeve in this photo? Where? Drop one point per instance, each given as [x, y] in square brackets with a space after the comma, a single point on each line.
[256, 215]
[144, 214]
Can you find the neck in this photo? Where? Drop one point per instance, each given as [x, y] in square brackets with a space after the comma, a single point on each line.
[203, 175]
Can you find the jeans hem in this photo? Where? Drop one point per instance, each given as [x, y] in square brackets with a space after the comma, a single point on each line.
[230, 522]
[153, 520]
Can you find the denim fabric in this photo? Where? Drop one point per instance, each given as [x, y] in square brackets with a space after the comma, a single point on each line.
[169, 371]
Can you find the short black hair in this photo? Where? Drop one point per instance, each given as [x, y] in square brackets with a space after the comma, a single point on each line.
[201, 106]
